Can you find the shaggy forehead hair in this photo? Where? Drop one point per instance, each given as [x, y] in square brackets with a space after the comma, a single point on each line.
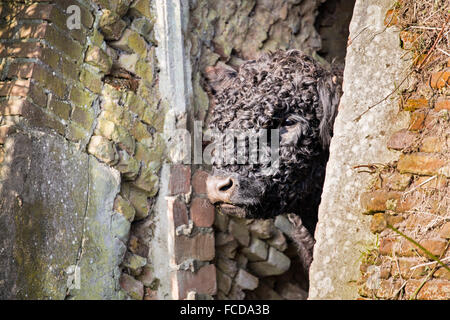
[274, 92]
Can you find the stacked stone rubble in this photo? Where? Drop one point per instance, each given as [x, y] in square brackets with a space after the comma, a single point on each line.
[257, 260]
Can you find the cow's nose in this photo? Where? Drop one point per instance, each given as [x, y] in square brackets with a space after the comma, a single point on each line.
[220, 189]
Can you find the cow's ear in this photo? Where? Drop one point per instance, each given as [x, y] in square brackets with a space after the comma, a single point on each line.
[220, 76]
[329, 89]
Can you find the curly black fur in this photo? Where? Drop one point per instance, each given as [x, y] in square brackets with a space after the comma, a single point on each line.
[284, 90]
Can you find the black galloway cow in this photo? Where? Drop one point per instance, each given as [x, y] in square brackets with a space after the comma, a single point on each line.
[291, 92]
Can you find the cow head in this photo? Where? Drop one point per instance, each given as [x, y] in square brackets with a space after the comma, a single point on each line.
[286, 91]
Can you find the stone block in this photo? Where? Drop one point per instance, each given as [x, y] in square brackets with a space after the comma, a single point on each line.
[277, 263]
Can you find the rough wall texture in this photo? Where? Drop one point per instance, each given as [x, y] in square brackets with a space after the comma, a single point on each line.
[406, 151]
[85, 103]
[359, 139]
[412, 195]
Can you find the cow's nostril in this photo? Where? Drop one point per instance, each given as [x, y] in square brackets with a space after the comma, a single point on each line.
[226, 186]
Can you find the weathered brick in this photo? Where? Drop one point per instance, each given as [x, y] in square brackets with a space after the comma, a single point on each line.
[432, 144]
[417, 120]
[124, 207]
[257, 250]
[420, 163]
[21, 70]
[379, 200]
[19, 88]
[127, 165]
[246, 281]
[442, 273]
[198, 247]
[83, 116]
[277, 263]
[202, 212]
[148, 181]
[224, 281]
[111, 25]
[180, 179]
[92, 81]
[96, 57]
[81, 97]
[239, 232]
[405, 265]
[402, 139]
[431, 290]
[203, 281]
[59, 108]
[48, 80]
[415, 103]
[442, 104]
[141, 8]
[133, 287]
[440, 79]
[131, 42]
[21, 50]
[444, 232]
[227, 266]
[179, 213]
[102, 149]
[391, 18]
[408, 39]
[262, 228]
[436, 247]
[75, 132]
[199, 181]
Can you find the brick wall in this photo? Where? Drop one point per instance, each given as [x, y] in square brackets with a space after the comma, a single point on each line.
[412, 196]
[97, 87]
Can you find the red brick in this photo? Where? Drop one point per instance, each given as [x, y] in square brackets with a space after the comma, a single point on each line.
[199, 181]
[417, 120]
[388, 289]
[202, 212]
[408, 39]
[440, 79]
[402, 139]
[22, 50]
[386, 246]
[5, 131]
[409, 249]
[180, 213]
[442, 104]
[391, 18]
[445, 231]
[432, 144]
[33, 31]
[415, 103]
[420, 163]
[198, 247]
[405, 265]
[133, 287]
[442, 273]
[20, 70]
[180, 179]
[378, 200]
[18, 88]
[202, 282]
[431, 290]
